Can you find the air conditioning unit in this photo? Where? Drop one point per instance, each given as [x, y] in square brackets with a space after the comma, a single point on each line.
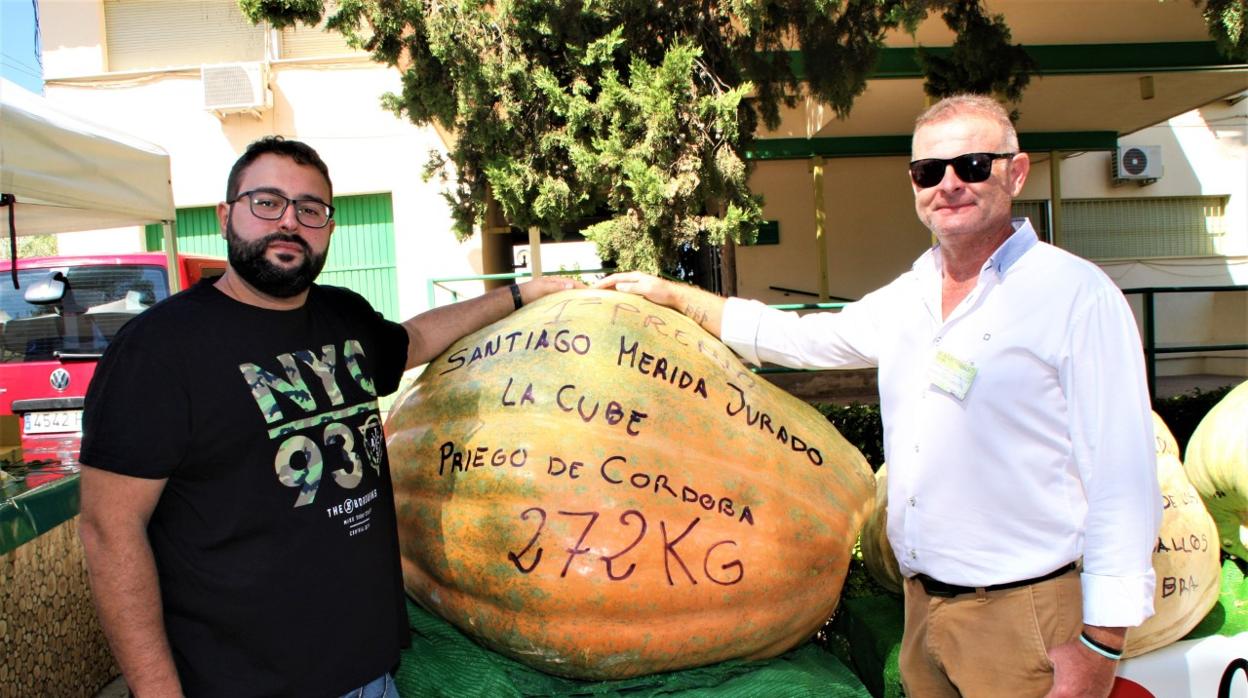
[235, 87]
[1137, 163]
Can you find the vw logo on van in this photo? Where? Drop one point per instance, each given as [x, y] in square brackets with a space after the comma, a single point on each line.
[59, 379]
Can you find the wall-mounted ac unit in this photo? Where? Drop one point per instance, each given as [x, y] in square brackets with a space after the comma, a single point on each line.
[1137, 163]
[235, 87]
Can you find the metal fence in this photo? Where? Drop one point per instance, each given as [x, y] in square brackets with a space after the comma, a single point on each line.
[1149, 329]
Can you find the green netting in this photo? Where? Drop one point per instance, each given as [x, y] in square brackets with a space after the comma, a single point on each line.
[443, 662]
[872, 625]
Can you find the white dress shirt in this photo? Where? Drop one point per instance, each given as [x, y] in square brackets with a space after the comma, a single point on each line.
[1048, 457]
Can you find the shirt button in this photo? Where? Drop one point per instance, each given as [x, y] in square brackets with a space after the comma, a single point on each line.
[911, 500]
[936, 341]
[913, 555]
[916, 448]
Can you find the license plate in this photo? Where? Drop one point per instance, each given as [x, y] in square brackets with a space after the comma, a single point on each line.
[52, 422]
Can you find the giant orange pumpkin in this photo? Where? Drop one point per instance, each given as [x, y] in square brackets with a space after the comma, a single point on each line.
[598, 488]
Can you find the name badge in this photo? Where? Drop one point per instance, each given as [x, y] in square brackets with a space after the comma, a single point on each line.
[952, 375]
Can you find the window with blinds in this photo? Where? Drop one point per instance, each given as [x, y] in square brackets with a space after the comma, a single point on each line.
[1186, 226]
[143, 34]
[302, 41]
[1038, 212]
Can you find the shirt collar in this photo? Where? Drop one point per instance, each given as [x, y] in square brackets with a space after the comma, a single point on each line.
[1015, 246]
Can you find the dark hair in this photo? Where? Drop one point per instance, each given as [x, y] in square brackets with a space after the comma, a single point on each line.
[300, 152]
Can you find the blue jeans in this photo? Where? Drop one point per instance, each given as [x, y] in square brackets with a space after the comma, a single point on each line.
[380, 687]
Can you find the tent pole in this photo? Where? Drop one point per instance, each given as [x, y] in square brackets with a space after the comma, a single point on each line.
[170, 229]
[10, 202]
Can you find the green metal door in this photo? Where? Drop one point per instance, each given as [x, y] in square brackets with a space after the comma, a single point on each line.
[197, 233]
[361, 253]
[361, 256]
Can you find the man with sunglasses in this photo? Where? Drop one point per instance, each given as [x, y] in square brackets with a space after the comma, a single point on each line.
[237, 509]
[1023, 497]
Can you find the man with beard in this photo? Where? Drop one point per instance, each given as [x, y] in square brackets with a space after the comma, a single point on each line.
[237, 510]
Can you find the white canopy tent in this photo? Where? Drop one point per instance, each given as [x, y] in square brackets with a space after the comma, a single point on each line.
[62, 173]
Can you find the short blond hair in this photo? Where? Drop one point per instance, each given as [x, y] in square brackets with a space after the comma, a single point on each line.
[981, 105]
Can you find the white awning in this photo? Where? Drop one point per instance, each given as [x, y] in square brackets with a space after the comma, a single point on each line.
[69, 174]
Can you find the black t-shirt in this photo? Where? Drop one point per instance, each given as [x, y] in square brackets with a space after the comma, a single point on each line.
[275, 537]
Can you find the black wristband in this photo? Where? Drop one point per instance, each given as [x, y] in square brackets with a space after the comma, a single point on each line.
[1111, 653]
[515, 296]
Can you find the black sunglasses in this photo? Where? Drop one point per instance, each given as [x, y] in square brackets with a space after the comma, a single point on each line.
[970, 168]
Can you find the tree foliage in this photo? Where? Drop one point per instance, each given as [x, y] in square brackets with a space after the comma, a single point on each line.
[29, 246]
[1228, 23]
[632, 116]
[973, 62]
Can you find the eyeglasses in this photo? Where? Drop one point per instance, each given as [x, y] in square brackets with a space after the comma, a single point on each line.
[271, 207]
[970, 168]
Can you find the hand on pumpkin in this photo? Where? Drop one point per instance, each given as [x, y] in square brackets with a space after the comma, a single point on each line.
[703, 307]
[1078, 671]
[546, 285]
[652, 288]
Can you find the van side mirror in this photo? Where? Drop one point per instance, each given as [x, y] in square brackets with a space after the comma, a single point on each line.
[50, 289]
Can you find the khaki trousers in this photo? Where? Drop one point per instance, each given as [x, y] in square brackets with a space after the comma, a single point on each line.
[987, 643]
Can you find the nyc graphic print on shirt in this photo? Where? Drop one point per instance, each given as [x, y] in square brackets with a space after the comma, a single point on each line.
[321, 430]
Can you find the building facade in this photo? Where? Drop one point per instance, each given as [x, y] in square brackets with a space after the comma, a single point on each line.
[196, 78]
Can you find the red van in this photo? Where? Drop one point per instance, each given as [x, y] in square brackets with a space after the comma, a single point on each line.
[54, 328]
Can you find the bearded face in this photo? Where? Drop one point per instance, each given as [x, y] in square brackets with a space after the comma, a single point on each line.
[250, 260]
